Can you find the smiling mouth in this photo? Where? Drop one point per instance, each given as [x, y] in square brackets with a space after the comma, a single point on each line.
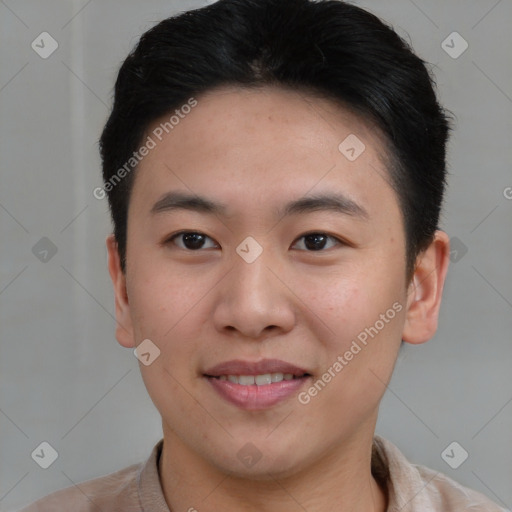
[256, 385]
[258, 380]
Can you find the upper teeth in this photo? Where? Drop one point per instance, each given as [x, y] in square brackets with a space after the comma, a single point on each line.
[259, 380]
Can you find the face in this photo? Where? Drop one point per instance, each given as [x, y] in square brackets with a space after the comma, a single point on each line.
[278, 304]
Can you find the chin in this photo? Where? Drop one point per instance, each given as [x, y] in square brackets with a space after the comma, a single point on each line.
[259, 460]
[263, 471]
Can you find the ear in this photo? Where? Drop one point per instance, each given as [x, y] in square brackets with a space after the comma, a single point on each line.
[124, 328]
[425, 290]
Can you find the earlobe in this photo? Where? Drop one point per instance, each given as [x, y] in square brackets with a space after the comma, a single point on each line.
[425, 291]
[124, 329]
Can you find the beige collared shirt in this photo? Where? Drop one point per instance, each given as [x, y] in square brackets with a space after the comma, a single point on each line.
[411, 488]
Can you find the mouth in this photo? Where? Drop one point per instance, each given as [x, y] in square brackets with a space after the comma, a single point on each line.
[263, 379]
[258, 385]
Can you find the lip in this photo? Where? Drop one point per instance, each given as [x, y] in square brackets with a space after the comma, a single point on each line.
[241, 367]
[254, 397]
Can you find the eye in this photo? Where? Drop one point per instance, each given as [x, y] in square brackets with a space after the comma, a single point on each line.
[191, 240]
[318, 241]
[194, 241]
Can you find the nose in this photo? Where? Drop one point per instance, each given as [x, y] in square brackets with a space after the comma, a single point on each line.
[254, 300]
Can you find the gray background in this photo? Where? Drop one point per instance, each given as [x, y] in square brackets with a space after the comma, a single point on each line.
[65, 379]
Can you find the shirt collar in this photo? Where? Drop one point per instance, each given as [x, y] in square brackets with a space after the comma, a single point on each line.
[390, 468]
[151, 494]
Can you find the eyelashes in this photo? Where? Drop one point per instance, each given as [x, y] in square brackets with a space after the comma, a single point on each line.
[194, 241]
[194, 238]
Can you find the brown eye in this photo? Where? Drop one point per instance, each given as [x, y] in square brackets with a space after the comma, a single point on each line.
[191, 240]
[318, 241]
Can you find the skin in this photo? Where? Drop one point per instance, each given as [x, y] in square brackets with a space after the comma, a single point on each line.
[255, 150]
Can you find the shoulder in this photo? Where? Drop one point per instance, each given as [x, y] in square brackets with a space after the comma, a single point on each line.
[115, 491]
[448, 495]
[416, 488]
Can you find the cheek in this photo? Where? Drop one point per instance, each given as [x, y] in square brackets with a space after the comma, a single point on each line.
[160, 290]
[367, 320]
[162, 310]
[351, 299]
[364, 309]
[167, 310]
[172, 307]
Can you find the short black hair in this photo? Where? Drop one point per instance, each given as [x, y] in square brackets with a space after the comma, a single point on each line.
[329, 47]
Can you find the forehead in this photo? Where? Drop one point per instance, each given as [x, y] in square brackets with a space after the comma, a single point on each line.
[249, 146]
[292, 116]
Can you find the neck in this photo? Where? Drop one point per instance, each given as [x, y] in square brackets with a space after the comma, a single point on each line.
[340, 480]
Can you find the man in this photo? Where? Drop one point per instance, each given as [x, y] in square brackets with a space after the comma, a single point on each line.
[275, 171]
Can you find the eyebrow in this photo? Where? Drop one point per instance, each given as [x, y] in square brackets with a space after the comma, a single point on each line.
[320, 202]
